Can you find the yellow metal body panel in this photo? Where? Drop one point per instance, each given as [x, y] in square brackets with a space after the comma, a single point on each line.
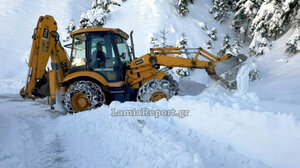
[91, 74]
[95, 76]
[53, 87]
[100, 29]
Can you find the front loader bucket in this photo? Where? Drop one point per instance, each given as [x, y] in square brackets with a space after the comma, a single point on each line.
[227, 70]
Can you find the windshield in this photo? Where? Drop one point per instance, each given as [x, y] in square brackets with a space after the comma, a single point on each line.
[123, 49]
[78, 51]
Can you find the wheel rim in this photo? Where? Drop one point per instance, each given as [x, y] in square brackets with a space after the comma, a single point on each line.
[157, 96]
[80, 102]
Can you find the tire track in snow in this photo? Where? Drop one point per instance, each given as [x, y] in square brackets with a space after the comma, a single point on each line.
[23, 123]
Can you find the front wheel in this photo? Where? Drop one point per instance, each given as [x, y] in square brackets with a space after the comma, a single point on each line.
[156, 89]
[83, 95]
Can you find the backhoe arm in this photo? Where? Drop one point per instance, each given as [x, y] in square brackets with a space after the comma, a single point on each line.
[41, 82]
[145, 66]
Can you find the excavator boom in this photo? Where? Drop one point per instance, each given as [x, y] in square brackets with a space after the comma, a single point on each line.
[45, 44]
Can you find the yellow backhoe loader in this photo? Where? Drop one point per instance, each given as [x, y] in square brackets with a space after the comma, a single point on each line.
[103, 68]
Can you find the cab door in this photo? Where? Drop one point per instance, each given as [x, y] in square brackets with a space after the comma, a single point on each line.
[108, 64]
[123, 53]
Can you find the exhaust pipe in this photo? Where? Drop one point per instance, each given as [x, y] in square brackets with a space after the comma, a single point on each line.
[132, 44]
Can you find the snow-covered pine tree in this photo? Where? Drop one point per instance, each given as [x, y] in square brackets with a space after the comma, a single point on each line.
[226, 47]
[182, 7]
[290, 10]
[293, 42]
[245, 11]
[267, 19]
[259, 45]
[212, 34]
[71, 27]
[236, 47]
[220, 10]
[96, 16]
[209, 44]
[254, 74]
[84, 21]
[181, 43]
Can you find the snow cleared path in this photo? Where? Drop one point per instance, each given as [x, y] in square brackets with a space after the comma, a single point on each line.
[21, 129]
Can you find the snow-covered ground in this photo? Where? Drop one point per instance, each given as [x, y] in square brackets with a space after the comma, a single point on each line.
[255, 127]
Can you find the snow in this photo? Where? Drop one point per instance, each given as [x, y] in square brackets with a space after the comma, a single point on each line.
[280, 79]
[19, 18]
[255, 126]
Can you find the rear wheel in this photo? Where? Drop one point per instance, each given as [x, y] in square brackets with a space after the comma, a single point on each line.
[156, 89]
[83, 95]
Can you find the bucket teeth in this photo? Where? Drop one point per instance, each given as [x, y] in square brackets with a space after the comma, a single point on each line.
[227, 70]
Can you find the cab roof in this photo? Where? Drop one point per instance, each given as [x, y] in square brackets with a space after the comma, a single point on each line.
[115, 30]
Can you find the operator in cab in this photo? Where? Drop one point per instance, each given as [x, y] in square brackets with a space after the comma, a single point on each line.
[99, 55]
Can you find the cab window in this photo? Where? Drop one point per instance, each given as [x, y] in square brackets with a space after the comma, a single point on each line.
[78, 51]
[123, 49]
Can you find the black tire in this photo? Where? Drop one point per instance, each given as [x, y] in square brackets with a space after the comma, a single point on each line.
[154, 86]
[94, 96]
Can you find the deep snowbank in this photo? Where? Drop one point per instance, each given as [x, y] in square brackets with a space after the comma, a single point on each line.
[221, 129]
[120, 141]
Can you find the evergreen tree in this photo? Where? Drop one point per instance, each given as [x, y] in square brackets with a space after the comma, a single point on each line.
[254, 74]
[182, 41]
[84, 21]
[212, 34]
[220, 10]
[96, 16]
[71, 27]
[164, 37]
[266, 22]
[259, 45]
[236, 47]
[293, 42]
[245, 11]
[226, 47]
[209, 44]
[290, 10]
[182, 7]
